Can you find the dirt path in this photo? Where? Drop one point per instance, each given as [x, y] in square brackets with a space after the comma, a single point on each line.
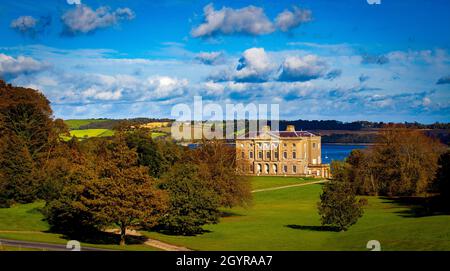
[288, 186]
[152, 242]
[165, 246]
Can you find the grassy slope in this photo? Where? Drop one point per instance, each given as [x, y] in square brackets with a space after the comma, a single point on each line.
[25, 222]
[287, 219]
[91, 133]
[76, 123]
[284, 219]
[270, 181]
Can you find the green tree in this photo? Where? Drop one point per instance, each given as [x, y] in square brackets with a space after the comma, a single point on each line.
[338, 205]
[193, 203]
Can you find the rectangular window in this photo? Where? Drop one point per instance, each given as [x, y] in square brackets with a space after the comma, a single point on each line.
[294, 168]
[294, 155]
[268, 155]
[276, 155]
[260, 155]
[250, 155]
[284, 168]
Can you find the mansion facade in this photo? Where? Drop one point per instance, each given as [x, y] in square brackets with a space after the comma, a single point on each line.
[281, 153]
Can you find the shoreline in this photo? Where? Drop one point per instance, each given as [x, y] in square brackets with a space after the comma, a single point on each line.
[348, 144]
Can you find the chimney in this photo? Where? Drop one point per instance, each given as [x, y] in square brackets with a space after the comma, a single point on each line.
[266, 128]
[290, 128]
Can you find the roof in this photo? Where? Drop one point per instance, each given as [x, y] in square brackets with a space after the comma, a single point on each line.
[277, 134]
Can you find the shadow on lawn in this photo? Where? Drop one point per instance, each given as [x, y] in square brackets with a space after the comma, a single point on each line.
[229, 214]
[106, 238]
[418, 206]
[313, 228]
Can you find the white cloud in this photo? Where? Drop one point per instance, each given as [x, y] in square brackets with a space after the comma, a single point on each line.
[295, 68]
[12, 67]
[288, 20]
[82, 19]
[210, 58]
[254, 65]
[74, 2]
[161, 87]
[28, 25]
[24, 23]
[249, 20]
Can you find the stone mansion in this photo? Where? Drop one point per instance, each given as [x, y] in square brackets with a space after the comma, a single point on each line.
[281, 153]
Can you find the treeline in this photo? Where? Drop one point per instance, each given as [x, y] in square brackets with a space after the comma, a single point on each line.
[125, 181]
[356, 125]
[350, 138]
[404, 162]
[299, 124]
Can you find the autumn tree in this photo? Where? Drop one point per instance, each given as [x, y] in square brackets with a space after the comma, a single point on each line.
[17, 181]
[28, 135]
[123, 193]
[26, 113]
[115, 191]
[405, 161]
[360, 173]
[193, 202]
[220, 161]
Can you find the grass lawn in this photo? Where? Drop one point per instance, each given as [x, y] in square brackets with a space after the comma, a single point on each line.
[25, 222]
[287, 219]
[284, 219]
[275, 181]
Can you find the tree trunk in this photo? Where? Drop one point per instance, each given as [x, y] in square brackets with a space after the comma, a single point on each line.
[123, 233]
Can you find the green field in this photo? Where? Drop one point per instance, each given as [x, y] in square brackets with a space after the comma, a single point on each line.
[287, 219]
[75, 124]
[25, 222]
[91, 133]
[284, 219]
[264, 182]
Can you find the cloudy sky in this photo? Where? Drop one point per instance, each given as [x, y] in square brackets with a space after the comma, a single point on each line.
[344, 60]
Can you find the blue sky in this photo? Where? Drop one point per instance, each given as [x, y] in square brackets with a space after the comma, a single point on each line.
[344, 60]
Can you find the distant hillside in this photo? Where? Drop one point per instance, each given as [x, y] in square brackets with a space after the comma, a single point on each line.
[75, 124]
[83, 124]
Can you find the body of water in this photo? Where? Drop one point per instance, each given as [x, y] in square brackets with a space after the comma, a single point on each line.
[337, 151]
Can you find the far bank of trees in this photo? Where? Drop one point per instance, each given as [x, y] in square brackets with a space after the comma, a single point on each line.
[125, 181]
[403, 163]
